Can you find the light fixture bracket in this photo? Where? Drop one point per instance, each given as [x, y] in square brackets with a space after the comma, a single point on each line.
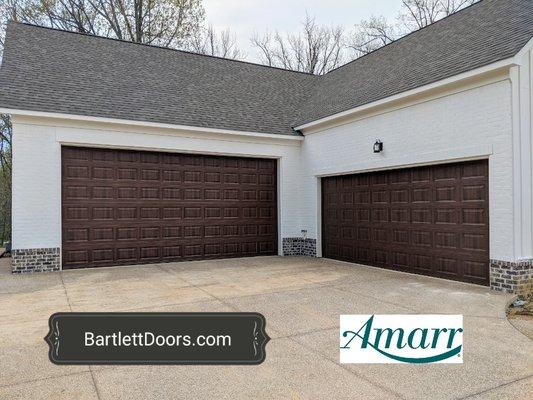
[378, 146]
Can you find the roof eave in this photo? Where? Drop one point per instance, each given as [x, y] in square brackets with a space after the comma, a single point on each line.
[147, 124]
[465, 76]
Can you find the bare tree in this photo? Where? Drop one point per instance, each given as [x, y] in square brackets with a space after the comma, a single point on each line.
[168, 23]
[208, 41]
[72, 15]
[451, 6]
[315, 50]
[318, 49]
[371, 34]
[416, 14]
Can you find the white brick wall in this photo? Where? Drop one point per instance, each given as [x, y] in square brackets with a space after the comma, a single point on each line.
[37, 168]
[36, 187]
[475, 123]
[465, 125]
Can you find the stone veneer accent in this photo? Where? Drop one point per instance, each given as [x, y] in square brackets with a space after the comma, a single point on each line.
[35, 260]
[298, 246]
[512, 277]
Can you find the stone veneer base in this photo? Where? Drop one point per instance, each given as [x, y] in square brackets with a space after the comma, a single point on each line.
[512, 276]
[35, 260]
[505, 276]
[298, 246]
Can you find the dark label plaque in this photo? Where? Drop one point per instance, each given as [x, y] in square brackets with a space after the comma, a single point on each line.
[157, 338]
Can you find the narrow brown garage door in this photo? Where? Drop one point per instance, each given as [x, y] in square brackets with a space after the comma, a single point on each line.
[428, 220]
[130, 207]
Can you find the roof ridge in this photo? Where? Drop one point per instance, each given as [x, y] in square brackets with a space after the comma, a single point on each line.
[159, 47]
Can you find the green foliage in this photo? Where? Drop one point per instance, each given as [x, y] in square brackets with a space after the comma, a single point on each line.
[5, 179]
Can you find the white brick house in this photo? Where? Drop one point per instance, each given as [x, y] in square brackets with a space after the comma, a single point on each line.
[443, 105]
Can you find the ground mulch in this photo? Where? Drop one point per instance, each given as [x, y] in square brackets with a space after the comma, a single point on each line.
[522, 317]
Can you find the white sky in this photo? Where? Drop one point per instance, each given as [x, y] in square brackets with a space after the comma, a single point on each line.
[244, 17]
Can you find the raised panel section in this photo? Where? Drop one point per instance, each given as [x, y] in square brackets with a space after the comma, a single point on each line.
[430, 220]
[130, 207]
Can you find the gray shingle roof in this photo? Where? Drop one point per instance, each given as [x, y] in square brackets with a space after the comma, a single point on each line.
[486, 32]
[55, 71]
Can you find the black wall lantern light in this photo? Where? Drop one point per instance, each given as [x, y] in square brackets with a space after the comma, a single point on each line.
[378, 146]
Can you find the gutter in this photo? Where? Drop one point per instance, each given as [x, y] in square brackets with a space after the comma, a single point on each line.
[146, 124]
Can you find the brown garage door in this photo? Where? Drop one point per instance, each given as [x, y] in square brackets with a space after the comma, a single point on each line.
[130, 207]
[429, 220]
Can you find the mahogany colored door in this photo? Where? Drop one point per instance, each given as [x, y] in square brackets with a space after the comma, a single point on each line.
[431, 220]
[130, 207]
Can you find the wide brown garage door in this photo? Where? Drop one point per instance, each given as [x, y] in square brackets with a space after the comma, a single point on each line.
[130, 207]
[429, 220]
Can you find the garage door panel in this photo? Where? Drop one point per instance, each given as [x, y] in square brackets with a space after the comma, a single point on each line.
[148, 251]
[422, 263]
[127, 207]
[474, 270]
[430, 220]
[94, 237]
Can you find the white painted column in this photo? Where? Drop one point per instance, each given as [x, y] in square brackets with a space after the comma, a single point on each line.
[522, 84]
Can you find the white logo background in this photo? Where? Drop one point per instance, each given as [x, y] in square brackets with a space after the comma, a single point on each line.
[431, 324]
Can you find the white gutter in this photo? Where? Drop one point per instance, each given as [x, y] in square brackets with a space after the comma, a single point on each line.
[72, 117]
[509, 62]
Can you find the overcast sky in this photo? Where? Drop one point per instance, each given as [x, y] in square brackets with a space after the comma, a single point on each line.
[244, 17]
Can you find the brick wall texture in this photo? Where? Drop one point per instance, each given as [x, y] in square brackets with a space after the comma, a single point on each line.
[298, 246]
[35, 260]
[512, 277]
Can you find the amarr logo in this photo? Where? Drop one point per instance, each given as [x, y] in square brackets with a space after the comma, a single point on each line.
[414, 339]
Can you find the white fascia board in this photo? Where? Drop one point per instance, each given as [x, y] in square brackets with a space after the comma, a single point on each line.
[426, 88]
[116, 121]
[524, 50]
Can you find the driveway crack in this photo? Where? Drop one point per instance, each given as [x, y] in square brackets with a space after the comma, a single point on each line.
[94, 384]
[495, 387]
[90, 368]
[65, 290]
[364, 378]
[199, 288]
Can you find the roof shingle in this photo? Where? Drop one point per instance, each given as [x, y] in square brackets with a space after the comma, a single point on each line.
[55, 71]
[484, 33]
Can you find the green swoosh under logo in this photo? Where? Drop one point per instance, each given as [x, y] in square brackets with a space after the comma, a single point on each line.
[423, 360]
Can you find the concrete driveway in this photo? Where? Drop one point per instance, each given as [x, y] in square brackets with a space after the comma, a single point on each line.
[301, 299]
